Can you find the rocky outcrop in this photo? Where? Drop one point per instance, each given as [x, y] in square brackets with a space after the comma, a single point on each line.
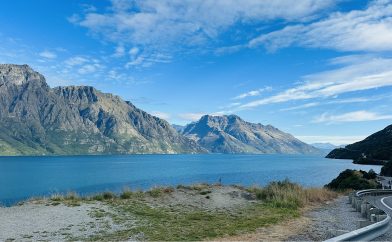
[231, 134]
[37, 119]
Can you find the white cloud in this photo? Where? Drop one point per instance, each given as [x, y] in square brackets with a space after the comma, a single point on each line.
[358, 76]
[306, 105]
[357, 116]
[134, 51]
[161, 115]
[120, 51]
[336, 140]
[358, 30]
[48, 54]
[191, 116]
[74, 61]
[89, 68]
[146, 60]
[252, 93]
[171, 22]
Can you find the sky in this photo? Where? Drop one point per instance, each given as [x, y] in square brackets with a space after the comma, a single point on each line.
[320, 70]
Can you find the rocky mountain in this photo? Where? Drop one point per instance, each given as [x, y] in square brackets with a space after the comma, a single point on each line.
[373, 150]
[36, 119]
[231, 134]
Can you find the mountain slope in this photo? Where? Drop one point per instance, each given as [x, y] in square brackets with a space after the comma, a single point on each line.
[37, 119]
[375, 148]
[231, 134]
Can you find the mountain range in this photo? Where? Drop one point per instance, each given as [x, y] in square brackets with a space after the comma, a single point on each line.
[375, 149]
[326, 146]
[231, 134]
[38, 120]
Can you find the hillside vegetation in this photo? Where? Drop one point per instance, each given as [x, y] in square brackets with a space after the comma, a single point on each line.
[375, 149]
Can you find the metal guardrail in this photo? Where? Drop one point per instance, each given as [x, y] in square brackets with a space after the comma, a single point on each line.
[369, 232]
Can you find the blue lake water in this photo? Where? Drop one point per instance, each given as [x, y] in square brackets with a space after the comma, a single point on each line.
[24, 177]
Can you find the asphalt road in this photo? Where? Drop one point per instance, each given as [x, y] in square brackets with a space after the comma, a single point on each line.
[384, 202]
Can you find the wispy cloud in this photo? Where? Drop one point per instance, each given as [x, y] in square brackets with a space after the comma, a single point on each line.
[252, 93]
[169, 26]
[358, 30]
[119, 51]
[357, 116]
[358, 76]
[303, 106]
[89, 68]
[146, 59]
[76, 60]
[48, 54]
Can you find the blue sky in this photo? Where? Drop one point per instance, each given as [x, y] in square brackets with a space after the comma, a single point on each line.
[320, 70]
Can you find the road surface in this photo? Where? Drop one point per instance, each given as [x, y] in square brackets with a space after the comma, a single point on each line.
[385, 203]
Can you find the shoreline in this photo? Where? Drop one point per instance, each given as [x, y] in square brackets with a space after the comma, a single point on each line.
[195, 212]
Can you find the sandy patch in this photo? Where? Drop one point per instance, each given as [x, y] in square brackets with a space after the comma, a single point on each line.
[47, 222]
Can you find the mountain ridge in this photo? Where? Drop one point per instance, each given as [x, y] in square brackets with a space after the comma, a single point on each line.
[374, 149]
[231, 134]
[37, 119]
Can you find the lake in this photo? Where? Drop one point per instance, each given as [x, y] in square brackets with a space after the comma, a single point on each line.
[24, 177]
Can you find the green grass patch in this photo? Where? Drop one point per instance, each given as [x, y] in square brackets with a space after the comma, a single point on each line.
[174, 225]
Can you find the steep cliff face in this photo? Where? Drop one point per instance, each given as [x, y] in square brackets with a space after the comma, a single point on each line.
[231, 134]
[36, 119]
[375, 148]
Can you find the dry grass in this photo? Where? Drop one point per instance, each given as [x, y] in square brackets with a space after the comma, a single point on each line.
[285, 194]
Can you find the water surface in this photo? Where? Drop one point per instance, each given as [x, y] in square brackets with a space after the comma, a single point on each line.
[24, 177]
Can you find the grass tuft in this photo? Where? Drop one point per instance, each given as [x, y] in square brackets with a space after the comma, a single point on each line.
[126, 193]
[286, 194]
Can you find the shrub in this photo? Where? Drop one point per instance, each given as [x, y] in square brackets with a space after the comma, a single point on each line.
[369, 175]
[56, 197]
[126, 194]
[352, 179]
[72, 196]
[108, 195]
[386, 170]
[97, 197]
[155, 191]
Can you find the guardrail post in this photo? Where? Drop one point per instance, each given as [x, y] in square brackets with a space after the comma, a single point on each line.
[364, 223]
[364, 207]
[358, 205]
[373, 218]
[353, 201]
[370, 212]
[350, 197]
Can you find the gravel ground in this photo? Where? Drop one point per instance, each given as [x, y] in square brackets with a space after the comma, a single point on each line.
[32, 221]
[331, 220]
[220, 198]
